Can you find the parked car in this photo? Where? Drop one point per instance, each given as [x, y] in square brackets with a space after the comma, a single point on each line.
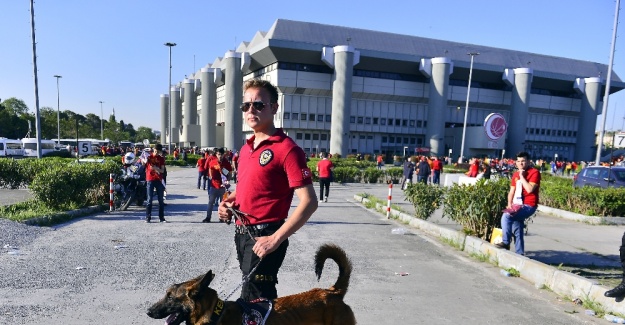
[600, 176]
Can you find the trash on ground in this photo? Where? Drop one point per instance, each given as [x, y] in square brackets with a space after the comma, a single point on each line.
[505, 273]
[399, 231]
[80, 268]
[120, 246]
[14, 252]
[590, 312]
[402, 273]
[577, 301]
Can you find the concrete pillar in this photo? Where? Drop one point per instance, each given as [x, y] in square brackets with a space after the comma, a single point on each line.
[439, 71]
[590, 89]
[189, 117]
[342, 58]
[164, 117]
[176, 114]
[233, 117]
[208, 120]
[521, 81]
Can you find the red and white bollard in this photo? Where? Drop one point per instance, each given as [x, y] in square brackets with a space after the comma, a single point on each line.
[111, 189]
[390, 195]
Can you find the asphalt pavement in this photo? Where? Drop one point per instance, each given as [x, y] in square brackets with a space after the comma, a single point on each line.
[397, 279]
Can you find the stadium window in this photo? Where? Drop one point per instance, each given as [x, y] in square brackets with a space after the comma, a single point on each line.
[406, 140]
[306, 136]
[548, 132]
[404, 122]
[413, 140]
[375, 120]
[425, 124]
[384, 139]
[352, 119]
[328, 118]
[311, 117]
[419, 141]
[389, 121]
[315, 136]
[411, 123]
[419, 124]
[303, 117]
[299, 136]
[324, 136]
[360, 119]
[295, 116]
[383, 121]
[391, 139]
[286, 115]
[367, 120]
[397, 122]
[361, 137]
[369, 137]
[320, 118]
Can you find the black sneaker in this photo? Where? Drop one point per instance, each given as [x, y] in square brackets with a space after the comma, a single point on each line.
[163, 221]
[206, 220]
[147, 220]
[619, 291]
[503, 246]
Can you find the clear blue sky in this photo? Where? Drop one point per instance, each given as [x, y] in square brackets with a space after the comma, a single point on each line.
[112, 50]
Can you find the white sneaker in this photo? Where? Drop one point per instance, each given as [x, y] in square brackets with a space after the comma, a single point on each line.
[326, 200]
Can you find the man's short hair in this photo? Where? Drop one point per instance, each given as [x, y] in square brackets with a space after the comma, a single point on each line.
[523, 154]
[220, 151]
[159, 147]
[264, 84]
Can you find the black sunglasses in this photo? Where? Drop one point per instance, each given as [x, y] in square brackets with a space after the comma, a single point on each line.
[258, 105]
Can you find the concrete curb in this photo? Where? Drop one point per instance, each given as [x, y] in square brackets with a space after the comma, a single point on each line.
[580, 217]
[62, 216]
[540, 274]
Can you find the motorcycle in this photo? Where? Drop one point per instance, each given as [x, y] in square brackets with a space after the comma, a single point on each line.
[130, 186]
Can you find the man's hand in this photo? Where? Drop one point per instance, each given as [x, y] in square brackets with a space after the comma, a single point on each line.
[223, 212]
[265, 246]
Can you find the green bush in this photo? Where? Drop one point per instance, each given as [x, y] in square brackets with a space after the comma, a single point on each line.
[346, 174]
[372, 175]
[394, 174]
[71, 186]
[477, 207]
[425, 198]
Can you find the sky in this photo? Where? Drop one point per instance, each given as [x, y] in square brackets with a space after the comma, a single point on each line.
[113, 50]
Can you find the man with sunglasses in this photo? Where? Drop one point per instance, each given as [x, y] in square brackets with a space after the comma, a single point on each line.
[271, 168]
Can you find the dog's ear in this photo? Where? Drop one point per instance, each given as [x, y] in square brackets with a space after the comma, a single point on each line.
[206, 280]
[201, 284]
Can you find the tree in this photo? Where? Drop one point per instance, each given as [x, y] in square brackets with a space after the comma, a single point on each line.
[15, 106]
[144, 133]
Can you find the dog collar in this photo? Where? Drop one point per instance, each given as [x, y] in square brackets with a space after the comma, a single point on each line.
[217, 312]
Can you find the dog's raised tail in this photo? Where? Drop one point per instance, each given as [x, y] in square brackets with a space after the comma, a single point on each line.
[335, 253]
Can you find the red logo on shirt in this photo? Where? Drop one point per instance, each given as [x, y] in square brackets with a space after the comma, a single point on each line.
[306, 173]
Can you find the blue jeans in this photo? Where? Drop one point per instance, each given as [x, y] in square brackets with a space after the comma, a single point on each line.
[214, 194]
[436, 177]
[158, 185]
[201, 179]
[422, 179]
[514, 225]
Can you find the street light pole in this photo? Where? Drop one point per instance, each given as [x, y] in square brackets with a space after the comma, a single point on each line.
[466, 107]
[58, 111]
[170, 45]
[101, 122]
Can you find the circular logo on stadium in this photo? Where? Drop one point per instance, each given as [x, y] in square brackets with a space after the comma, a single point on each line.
[495, 126]
[265, 157]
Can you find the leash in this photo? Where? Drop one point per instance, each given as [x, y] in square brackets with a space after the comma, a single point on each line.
[239, 215]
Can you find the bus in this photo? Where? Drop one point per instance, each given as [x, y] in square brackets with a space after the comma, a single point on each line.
[30, 147]
[11, 148]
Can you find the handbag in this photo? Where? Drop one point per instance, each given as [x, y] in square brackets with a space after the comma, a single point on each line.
[513, 209]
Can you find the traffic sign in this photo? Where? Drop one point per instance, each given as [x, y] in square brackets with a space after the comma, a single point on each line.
[619, 140]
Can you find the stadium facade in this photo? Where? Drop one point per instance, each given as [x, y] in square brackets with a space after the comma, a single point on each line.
[345, 90]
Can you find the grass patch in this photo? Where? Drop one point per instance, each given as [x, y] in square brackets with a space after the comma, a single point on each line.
[26, 210]
[545, 287]
[482, 257]
[452, 243]
[598, 308]
[513, 272]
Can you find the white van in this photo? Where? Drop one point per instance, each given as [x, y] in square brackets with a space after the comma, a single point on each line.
[11, 148]
[30, 147]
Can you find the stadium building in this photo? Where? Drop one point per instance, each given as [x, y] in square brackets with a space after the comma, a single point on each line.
[345, 90]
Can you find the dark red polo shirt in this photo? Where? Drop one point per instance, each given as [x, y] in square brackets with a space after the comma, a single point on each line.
[268, 176]
[150, 174]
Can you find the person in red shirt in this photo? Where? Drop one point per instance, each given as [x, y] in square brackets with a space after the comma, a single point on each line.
[201, 172]
[380, 161]
[324, 169]
[272, 167]
[437, 168]
[474, 167]
[218, 168]
[235, 165]
[155, 167]
[522, 203]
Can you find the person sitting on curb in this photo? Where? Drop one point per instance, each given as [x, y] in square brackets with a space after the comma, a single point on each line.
[522, 203]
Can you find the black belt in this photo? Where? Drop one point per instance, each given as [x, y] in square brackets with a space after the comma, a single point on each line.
[258, 228]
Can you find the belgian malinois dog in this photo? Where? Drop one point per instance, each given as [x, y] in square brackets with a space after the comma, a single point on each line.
[195, 303]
